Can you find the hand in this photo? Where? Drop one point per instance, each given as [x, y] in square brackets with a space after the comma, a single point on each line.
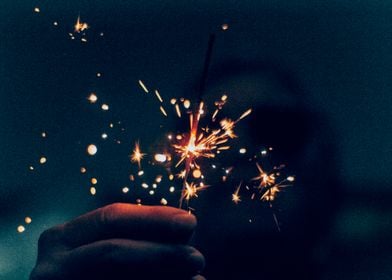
[120, 241]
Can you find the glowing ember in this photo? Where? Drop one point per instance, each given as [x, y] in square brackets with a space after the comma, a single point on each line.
[235, 196]
[93, 190]
[83, 170]
[80, 26]
[225, 26]
[105, 107]
[92, 149]
[143, 86]
[28, 220]
[94, 181]
[137, 155]
[92, 98]
[37, 10]
[160, 157]
[125, 189]
[42, 160]
[20, 229]
[163, 201]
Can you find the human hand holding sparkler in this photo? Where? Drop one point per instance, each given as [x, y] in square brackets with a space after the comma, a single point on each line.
[120, 241]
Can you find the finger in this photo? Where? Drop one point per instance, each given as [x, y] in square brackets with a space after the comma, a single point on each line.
[128, 221]
[130, 258]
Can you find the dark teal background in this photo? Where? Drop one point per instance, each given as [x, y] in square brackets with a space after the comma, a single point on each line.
[340, 50]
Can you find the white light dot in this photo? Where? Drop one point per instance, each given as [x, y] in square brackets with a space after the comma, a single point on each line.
[99, 74]
[20, 229]
[43, 134]
[172, 189]
[125, 189]
[263, 152]
[83, 170]
[225, 26]
[158, 179]
[92, 98]
[242, 151]
[55, 23]
[37, 10]
[104, 136]
[140, 173]
[92, 149]
[187, 104]
[28, 220]
[151, 192]
[291, 178]
[144, 186]
[31, 167]
[154, 186]
[42, 160]
[105, 107]
[173, 101]
[160, 157]
[93, 190]
[163, 201]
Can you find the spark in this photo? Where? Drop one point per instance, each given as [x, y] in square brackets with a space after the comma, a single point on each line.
[137, 155]
[242, 151]
[225, 26]
[140, 173]
[178, 110]
[92, 149]
[158, 179]
[83, 170]
[163, 111]
[92, 98]
[125, 189]
[37, 10]
[42, 160]
[163, 201]
[28, 220]
[187, 104]
[20, 229]
[235, 196]
[191, 190]
[266, 179]
[158, 96]
[105, 107]
[99, 75]
[160, 157]
[94, 181]
[142, 85]
[43, 134]
[104, 136]
[93, 191]
[80, 26]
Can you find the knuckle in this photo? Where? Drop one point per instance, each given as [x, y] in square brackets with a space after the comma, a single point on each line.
[50, 236]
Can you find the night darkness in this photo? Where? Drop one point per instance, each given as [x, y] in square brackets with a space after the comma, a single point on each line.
[316, 73]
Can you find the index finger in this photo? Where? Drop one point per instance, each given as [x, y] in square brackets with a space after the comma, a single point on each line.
[122, 220]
